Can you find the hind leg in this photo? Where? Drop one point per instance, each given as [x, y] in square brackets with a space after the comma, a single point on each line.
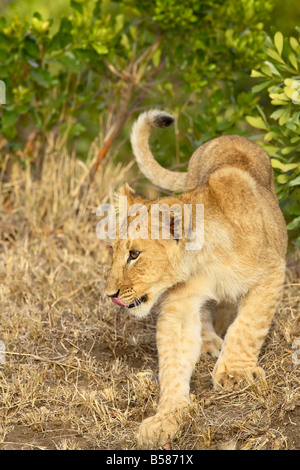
[243, 341]
[211, 342]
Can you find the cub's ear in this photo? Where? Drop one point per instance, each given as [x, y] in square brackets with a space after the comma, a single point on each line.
[127, 191]
[133, 197]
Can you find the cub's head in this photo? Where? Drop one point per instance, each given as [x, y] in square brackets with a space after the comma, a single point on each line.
[143, 267]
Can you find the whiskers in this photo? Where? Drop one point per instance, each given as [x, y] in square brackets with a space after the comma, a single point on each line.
[138, 301]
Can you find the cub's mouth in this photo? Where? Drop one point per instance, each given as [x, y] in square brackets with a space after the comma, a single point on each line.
[134, 304]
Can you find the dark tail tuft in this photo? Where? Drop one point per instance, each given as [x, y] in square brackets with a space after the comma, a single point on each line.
[163, 120]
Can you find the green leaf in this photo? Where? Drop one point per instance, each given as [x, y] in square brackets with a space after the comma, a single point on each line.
[276, 114]
[270, 136]
[101, 49]
[119, 23]
[125, 41]
[3, 22]
[272, 68]
[257, 122]
[292, 126]
[294, 43]
[256, 74]
[279, 96]
[77, 6]
[295, 182]
[4, 40]
[278, 102]
[285, 116]
[261, 86]
[270, 149]
[42, 78]
[62, 38]
[287, 150]
[278, 41]
[266, 70]
[282, 179]
[294, 224]
[8, 124]
[132, 31]
[31, 47]
[156, 57]
[293, 60]
[9, 118]
[39, 25]
[70, 62]
[77, 129]
[86, 55]
[274, 55]
[97, 9]
[283, 166]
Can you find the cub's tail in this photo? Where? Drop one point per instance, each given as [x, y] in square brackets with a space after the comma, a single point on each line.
[166, 179]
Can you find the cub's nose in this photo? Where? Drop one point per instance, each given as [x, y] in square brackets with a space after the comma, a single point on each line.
[116, 300]
[113, 295]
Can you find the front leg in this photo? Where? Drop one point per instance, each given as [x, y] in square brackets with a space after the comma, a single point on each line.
[179, 345]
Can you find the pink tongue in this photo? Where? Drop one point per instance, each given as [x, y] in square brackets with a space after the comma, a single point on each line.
[118, 302]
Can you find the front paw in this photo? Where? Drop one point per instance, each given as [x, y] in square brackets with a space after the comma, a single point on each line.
[159, 429]
[232, 378]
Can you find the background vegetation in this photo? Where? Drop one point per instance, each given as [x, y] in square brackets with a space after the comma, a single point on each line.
[78, 372]
[84, 69]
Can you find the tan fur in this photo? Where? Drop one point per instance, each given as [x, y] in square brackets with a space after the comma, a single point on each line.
[241, 265]
[171, 180]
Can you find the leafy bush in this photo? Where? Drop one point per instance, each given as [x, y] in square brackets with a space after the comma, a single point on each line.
[108, 60]
[280, 87]
[215, 44]
[63, 80]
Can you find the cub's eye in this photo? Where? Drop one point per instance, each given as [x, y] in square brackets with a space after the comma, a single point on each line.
[133, 254]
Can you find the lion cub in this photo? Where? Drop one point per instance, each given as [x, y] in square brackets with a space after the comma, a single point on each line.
[241, 263]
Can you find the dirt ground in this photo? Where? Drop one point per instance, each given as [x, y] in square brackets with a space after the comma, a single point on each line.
[80, 373]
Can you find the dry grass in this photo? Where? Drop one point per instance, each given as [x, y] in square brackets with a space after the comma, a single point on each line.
[81, 373]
